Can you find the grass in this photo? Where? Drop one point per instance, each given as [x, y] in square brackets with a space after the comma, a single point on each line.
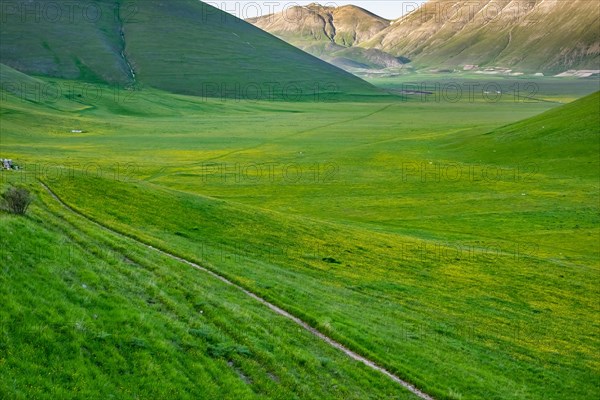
[511, 304]
[481, 286]
[88, 314]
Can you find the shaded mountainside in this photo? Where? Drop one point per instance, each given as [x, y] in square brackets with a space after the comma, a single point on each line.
[40, 40]
[529, 36]
[183, 46]
[329, 33]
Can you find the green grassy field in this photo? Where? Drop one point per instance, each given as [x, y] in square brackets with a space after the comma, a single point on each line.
[87, 314]
[455, 243]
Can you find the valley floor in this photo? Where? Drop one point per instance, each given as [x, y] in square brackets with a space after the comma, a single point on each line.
[444, 240]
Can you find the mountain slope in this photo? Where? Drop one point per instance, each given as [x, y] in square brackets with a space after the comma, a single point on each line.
[43, 38]
[564, 141]
[345, 26]
[328, 32]
[183, 46]
[532, 36]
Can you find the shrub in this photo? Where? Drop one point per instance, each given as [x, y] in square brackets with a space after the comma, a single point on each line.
[17, 200]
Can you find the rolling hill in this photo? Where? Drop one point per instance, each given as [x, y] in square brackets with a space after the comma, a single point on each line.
[565, 140]
[535, 36]
[182, 46]
[332, 34]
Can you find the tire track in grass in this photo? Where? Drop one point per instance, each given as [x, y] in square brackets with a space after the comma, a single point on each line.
[355, 356]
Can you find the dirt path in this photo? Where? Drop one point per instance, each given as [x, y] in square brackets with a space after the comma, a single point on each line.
[280, 311]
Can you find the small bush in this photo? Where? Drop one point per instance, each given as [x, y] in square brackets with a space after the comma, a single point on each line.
[17, 200]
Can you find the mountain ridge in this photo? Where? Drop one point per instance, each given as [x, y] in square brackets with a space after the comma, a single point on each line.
[329, 32]
[531, 36]
[526, 36]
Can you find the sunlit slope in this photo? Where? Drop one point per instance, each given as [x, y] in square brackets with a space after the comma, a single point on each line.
[346, 25]
[531, 36]
[564, 140]
[331, 33]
